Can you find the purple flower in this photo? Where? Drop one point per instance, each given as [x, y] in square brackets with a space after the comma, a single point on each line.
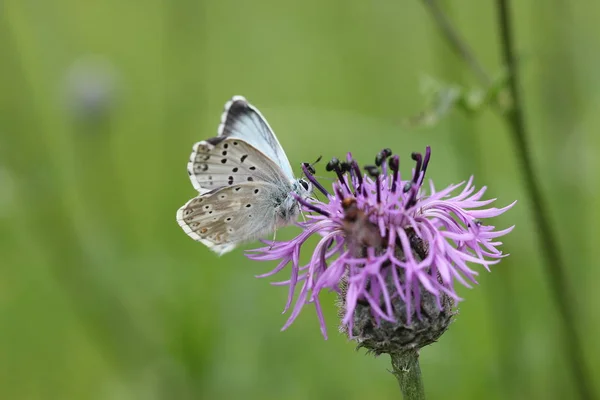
[385, 241]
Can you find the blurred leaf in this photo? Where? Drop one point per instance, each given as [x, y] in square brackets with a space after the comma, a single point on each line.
[443, 98]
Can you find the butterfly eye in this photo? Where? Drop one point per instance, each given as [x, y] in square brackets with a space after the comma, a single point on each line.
[304, 184]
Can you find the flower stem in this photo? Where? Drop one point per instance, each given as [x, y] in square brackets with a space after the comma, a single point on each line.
[408, 373]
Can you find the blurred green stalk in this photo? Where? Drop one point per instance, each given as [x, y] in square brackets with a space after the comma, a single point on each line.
[550, 250]
[513, 114]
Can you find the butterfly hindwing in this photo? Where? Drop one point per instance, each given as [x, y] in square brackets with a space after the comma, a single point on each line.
[223, 218]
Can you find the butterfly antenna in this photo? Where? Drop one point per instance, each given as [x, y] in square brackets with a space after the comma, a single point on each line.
[315, 163]
[327, 178]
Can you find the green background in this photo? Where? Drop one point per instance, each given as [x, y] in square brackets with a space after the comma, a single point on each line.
[102, 296]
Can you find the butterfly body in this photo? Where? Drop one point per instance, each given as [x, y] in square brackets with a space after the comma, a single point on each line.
[245, 183]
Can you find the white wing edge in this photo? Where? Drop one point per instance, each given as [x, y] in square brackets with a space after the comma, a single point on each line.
[225, 113]
[190, 168]
[220, 249]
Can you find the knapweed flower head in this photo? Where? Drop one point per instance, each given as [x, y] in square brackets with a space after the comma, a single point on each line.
[392, 249]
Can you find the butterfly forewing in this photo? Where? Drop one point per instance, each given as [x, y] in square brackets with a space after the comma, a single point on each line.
[222, 162]
[241, 120]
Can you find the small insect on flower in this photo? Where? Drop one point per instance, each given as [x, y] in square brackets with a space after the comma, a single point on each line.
[358, 228]
[392, 250]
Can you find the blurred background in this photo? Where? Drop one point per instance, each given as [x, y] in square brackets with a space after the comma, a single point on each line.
[103, 296]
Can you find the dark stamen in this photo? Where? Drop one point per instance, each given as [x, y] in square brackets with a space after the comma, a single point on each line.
[382, 156]
[374, 172]
[334, 165]
[426, 160]
[310, 206]
[419, 159]
[412, 200]
[312, 179]
[358, 174]
[413, 189]
[345, 167]
[395, 167]
[331, 165]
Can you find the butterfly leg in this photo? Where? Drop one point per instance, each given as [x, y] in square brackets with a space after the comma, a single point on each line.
[273, 241]
[303, 217]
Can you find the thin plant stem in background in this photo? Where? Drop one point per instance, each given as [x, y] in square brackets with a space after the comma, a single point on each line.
[514, 117]
[458, 44]
[507, 343]
[550, 246]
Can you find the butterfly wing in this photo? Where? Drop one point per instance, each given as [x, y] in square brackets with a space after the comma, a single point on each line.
[223, 161]
[231, 215]
[244, 179]
[243, 121]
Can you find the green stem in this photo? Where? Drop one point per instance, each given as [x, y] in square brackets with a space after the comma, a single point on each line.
[550, 244]
[456, 42]
[515, 119]
[406, 368]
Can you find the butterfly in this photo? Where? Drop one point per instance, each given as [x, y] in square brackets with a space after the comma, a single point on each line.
[245, 182]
